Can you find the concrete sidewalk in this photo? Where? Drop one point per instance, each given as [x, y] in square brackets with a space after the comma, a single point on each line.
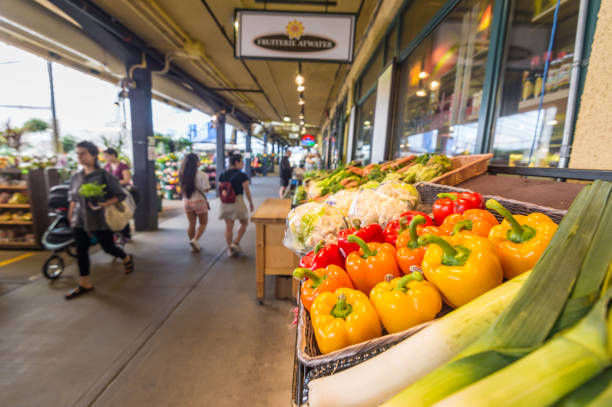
[183, 330]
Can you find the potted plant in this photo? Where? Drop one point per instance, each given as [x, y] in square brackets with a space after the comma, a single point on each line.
[92, 191]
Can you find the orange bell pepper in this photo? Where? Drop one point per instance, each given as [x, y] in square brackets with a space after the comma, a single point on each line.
[409, 253]
[321, 280]
[343, 318]
[476, 221]
[370, 264]
[430, 230]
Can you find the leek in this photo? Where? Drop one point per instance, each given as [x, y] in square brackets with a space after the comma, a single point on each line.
[527, 322]
[595, 393]
[549, 373]
[375, 380]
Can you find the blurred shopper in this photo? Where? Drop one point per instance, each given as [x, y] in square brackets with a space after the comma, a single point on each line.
[122, 171]
[285, 173]
[237, 210]
[194, 186]
[87, 219]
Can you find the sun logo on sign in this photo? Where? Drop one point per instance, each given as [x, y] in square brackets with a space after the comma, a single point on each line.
[295, 29]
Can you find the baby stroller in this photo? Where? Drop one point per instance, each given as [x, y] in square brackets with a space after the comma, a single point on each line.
[58, 237]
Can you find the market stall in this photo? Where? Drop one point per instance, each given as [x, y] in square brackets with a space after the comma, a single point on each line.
[445, 280]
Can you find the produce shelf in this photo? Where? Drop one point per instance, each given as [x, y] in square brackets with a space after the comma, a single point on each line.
[15, 206]
[18, 245]
[14, 187]
[16, 223]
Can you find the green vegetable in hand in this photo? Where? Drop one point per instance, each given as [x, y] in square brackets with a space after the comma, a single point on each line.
[92, 190]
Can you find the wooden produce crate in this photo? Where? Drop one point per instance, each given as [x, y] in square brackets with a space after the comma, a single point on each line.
[272, 257]
[322, 365]
[464, 168]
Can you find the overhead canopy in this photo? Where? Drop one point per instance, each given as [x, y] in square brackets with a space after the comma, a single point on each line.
[197, 36]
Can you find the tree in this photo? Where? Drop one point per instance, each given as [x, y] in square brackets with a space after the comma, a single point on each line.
[68, 143]
[12, 135]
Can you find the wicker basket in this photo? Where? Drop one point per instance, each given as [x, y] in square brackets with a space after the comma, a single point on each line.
[464, 168]
[324, 365]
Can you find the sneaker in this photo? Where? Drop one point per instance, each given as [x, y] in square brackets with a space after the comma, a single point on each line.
[230, 252]
[195, 245]
[236, 248]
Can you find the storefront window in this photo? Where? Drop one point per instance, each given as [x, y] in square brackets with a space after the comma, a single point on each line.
[370, 76]
[522, 136]
[441, 84]
[415, 18]
[362, 147]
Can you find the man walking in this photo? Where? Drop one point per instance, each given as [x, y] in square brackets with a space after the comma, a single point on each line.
[285, 173]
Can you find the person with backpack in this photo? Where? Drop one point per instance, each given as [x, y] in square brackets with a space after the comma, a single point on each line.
[194, 186]
[233, 184]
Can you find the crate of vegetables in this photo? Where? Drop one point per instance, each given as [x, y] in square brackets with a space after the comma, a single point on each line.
[541, 338]
[397, 276]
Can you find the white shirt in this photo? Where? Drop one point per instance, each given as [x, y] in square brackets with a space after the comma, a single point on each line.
[201, 184]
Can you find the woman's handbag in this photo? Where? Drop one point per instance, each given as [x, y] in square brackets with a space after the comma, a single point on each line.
[118, 215]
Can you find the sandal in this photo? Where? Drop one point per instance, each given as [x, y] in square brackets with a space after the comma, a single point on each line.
[78, 291]
[129, 265]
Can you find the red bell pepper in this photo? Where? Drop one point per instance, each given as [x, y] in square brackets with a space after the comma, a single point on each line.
[394, 228]
[369, 234]
[455, 202]
[322, 256]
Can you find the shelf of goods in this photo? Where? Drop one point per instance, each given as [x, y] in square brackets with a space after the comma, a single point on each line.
[23, 212]
[510, 296]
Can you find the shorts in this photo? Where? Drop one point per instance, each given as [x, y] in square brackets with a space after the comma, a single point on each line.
[234, 211]
[199, 207]
[284, 182]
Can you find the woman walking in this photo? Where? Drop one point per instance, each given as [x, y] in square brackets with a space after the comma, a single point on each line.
[120, 170]
[86, 219]
[230, 212]
[194, 186]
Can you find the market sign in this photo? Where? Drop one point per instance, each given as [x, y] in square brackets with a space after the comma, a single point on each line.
[286, 35]
[308, 140]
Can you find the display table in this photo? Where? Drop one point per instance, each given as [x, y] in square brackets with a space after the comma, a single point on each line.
[543, 192]
[272, 258]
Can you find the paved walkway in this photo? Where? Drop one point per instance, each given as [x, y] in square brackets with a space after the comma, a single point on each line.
[183, 330]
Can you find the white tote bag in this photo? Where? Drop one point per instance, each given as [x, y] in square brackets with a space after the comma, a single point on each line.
[118, 215]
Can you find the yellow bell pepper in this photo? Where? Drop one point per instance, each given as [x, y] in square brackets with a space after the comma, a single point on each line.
[343, 318]
[462, 266]
[520, 240]
[405, 302]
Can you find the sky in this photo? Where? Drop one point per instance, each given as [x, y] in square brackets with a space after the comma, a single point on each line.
[85, 105]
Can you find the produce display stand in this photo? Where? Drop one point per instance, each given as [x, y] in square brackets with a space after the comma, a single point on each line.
[538, 192]
[32, 184]
[272, 257]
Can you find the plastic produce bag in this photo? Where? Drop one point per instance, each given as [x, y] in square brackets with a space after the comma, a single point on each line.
[383, 204]
[310, 223]
[342, 200]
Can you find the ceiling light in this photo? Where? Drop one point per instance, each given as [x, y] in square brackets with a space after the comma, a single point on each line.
[286, 119]
[301, 102]
[299, 79]
[423, 75]
[236, 25]
[433, 85]
[300, 88]
[421, 93]
[552, 123]
[302, 116]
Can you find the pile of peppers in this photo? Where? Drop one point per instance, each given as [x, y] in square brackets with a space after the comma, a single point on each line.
[400, 276]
